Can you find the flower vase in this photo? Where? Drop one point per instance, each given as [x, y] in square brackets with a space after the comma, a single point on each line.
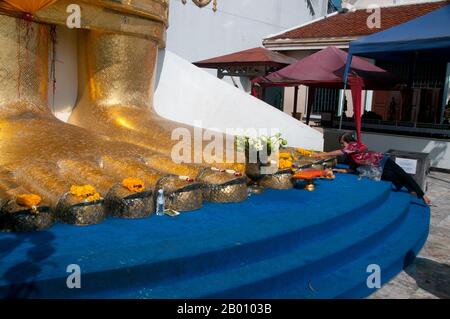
[253, 169]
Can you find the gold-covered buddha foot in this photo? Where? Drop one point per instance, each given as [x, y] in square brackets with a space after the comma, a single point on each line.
[43, 179]
[223, 186]
[280, 180]
[219, 185]
[118, 201]
[17, 216]
[267, 176]
[31, 137]
[32, 140]
[180, 194]
[117, 78]
[46, 157]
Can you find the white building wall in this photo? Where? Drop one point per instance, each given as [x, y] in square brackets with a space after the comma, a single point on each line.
[199, 33]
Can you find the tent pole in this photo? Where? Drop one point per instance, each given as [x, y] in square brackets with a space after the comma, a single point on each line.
[311, 100]
[295, 102]
[342, 109]
[348, 65]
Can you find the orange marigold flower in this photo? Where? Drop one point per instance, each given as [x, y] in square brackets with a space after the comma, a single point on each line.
[285, 156]
[86, 193]
[82, 191]
[284, 164]
[304, 152]
[133, 184]
[28, 200]
[93, 198]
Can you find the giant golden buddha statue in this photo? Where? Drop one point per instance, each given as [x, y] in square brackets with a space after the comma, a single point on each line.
[115, 152]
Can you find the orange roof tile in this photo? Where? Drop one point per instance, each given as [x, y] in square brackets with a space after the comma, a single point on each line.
[352, 24]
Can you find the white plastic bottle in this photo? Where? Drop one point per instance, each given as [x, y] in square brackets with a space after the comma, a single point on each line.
[160, 203]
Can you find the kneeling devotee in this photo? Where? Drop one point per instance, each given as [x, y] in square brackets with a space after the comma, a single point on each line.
[360, 159]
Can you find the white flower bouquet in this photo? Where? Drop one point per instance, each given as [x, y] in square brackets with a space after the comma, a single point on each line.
[263, 143]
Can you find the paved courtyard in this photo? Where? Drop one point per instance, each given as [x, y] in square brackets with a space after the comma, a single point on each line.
[429, 276]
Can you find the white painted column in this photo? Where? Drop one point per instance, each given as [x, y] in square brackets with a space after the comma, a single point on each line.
[369, 98]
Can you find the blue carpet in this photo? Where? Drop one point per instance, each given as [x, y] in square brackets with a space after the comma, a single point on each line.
[281, 244]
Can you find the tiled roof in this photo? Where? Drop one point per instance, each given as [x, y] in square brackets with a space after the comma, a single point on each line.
[351, 24]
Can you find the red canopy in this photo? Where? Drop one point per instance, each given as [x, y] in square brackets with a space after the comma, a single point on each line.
[326, 69]
[251, 57]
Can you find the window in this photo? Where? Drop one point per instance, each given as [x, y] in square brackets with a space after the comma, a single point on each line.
[327, 101]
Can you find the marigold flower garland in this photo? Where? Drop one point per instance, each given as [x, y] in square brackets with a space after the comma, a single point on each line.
[285, 160]
[28, 200]
[304, 152]
[86, 193]
[134, 185]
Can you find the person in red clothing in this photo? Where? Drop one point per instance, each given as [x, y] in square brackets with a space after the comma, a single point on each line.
[362, 160]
